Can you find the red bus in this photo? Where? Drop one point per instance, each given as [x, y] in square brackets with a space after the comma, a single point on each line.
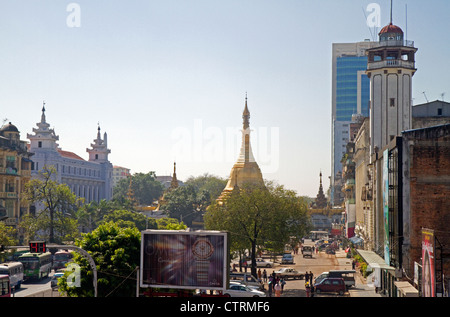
[5, 286]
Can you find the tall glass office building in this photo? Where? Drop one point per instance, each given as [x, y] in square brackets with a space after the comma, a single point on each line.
[350, 95]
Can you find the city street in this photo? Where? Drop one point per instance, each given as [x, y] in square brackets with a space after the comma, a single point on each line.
[319, 263]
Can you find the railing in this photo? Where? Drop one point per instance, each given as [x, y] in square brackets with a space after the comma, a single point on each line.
[394, 43]
[6, 195]
[390, 63]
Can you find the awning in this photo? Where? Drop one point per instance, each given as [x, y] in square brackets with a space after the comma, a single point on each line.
[406, 289]
[374, 261]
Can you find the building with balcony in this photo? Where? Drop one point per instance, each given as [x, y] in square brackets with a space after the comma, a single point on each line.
[15, 172]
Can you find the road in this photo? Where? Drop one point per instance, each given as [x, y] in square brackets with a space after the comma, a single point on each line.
[319, 263]
[35, 288]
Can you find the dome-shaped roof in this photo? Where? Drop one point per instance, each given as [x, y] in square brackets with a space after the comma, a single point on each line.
[9, 128]
[391, 28]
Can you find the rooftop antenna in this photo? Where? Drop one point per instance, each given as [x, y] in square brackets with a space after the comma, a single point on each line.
[391, 11]
[442, 96]
[370, 30]
[425, 96]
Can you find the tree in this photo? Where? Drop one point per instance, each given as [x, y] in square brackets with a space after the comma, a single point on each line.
[181, 203]
[116, 252]
[59, 203]
[145, 187]
[261, 216]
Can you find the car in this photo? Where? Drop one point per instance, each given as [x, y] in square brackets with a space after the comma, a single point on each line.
[263, 263]
[241, 290]
[54, 280]
[288, 272]
[287, 259]
[330, 285]
[347, 275]
[247, 279]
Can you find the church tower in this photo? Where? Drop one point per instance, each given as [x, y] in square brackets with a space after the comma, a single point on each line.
[43, 138]
[390, 67]
[245, 170]
[99, 151]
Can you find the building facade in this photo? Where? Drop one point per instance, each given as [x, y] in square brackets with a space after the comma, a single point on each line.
[91, 179]
[15, 172]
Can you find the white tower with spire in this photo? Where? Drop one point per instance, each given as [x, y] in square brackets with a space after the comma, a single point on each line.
[44, 138]
[99, 149]
[390, 67]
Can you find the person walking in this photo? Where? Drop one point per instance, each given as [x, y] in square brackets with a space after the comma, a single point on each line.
[265, 276]
[311, 275]
[282, 283]
[277, 290]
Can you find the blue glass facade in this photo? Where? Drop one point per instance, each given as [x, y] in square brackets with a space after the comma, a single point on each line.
[347, 87]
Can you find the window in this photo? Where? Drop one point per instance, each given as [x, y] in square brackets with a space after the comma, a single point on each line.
[392, 102]
[40, 144]
[439, 112]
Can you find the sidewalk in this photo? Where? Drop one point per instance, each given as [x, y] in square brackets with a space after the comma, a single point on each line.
[361, 289]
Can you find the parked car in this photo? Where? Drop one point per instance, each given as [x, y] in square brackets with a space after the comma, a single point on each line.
[287, 259]
[241, 290]
[331, 285]
[247, 279]
[287, 272]
[263, 263]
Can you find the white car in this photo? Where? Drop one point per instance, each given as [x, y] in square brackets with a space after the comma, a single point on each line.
[240, 290]
[263, 263]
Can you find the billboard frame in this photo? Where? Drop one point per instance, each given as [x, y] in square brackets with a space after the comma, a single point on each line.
[193, 257]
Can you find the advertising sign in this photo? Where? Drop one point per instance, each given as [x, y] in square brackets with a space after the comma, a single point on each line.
[386, 206]
[183, 259]
[428, 264]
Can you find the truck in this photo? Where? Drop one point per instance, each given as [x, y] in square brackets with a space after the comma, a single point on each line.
[308, 248]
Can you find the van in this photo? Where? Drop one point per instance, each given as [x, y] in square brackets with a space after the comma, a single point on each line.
[287, 259]
[347, 275]
[330, 285]
[247, 279]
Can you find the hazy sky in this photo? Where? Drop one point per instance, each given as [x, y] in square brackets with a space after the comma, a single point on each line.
[167, 79]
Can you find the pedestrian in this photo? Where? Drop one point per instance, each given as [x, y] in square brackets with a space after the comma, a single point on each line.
[270, 285]
[306, 277]
[282, 282]
[265, 276]
[311, 275]
[259, 274]
[277, 290]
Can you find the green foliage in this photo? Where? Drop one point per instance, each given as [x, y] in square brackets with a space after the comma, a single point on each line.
[260, 216]
[56, 221]
[115, 251]
[145, 187]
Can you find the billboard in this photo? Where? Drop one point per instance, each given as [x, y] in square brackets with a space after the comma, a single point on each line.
[386, 206]
[184, 259]
[428, 264]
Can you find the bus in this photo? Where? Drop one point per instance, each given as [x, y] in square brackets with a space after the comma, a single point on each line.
[15, 272]
[61, 258]
[5, 286]
[36, 265]
[318, 235]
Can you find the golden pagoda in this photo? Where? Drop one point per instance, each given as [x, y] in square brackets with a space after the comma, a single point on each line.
[245, 170]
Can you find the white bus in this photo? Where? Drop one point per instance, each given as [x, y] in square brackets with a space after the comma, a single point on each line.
[15, 272]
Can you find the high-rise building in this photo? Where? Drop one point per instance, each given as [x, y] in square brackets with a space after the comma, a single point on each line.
[350, 96]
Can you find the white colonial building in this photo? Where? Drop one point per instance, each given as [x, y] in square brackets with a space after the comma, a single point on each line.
[91, 180]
